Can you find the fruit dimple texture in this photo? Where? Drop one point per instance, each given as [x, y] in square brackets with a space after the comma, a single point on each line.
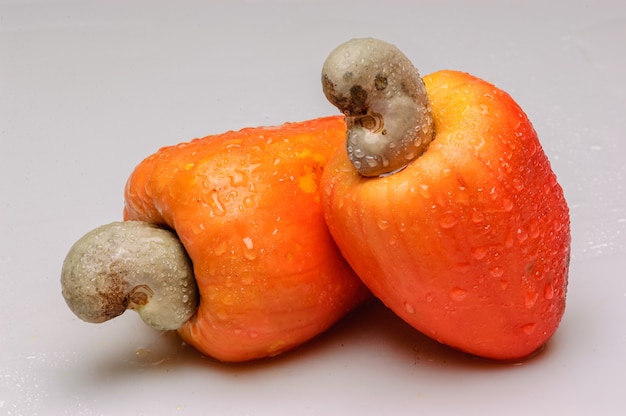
[247, 209]
[470, 243]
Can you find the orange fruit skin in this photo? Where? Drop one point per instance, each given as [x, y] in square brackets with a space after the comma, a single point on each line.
[470, 243]
[246, 206]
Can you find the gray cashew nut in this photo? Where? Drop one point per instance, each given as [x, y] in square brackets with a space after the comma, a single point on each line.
[384, 99]
[130, 265]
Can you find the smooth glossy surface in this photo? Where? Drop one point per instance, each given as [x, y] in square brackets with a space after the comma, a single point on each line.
[90, 88]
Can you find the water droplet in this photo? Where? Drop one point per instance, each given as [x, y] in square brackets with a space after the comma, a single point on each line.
[529, 328]
[185, 299]
[383, 224]
[496, 272]
[533, 229]
[477, 142]
[429, 297]
[480, 253]
[448, 220]
[248, 243]
[248, 202]
[216, 204]
[504, 284]
[548, 292]
[518, 184]
[507, 204]
[424, 191]
[522, 235]
[530, 298]
[409, 308]
[493, 193]
[477, 217]
[458, 294]
[238, 178]
[220, 248]
[371, 161]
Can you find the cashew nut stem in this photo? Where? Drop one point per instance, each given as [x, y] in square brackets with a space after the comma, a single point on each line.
[383, 97]
[130, 265]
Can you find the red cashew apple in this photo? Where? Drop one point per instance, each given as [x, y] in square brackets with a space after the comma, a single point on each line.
[465, 233]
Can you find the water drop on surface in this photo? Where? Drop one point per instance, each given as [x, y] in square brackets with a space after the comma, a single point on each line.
[548, 292]
[409, 308]
[518, 184]
[533, 229]
[529, 328]
[477, 142]
[496, 272]
[448, 220]
[371, 161]
[522, 235]
[479, 253]
[477, 217]
[458, 294]
[530, 298]
[383, 224]
[424, 191]
[507, 204]
[248, 243]
[216, 204]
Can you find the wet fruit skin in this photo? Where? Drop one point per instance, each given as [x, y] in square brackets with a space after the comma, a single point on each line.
[247, 209]
[470, 243]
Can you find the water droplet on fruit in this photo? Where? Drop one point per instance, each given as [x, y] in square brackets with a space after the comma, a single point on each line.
[518, 184]
[504, 284]
[216, 204]
[424, 191]
[478, 217]
[479, 253]
[530, 298]
[507, 204]
[529, 328]
[371, 161]
[533, 229]
[383, 224]
[448, 220]
[409, 308]
[249, 253]
[522, 235]
[429, 297]
[548, 292]
[496, 272]
[458, 294]
[477, 142]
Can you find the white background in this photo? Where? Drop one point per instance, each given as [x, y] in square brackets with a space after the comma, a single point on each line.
[89, 88]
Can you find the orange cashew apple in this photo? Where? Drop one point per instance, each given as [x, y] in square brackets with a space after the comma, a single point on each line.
[463, 233]
[263, 274]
